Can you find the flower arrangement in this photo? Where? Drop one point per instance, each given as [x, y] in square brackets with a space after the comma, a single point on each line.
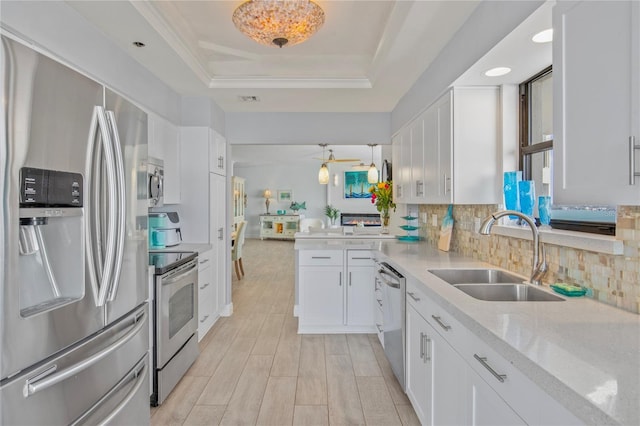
[332, 213]
[382, 197]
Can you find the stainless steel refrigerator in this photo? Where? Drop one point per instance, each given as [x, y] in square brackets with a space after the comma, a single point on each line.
[73, 248]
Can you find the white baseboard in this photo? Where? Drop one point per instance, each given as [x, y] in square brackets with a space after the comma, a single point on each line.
[295, 310]
[227, 311]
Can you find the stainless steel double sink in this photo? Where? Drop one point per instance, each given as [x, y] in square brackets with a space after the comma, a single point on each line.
[494, 285]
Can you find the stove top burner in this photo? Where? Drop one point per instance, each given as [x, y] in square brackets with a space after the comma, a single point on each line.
[164, 261]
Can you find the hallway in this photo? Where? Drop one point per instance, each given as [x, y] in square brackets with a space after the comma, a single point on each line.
[255, 369]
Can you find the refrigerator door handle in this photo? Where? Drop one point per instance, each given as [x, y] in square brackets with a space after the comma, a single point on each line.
[121, 205]
[102, 273]
[33, 386]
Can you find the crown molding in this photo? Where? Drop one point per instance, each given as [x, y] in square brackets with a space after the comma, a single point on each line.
[290, 83]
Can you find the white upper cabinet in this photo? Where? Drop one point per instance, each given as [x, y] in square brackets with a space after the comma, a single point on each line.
[217, 154]
[596, 60]
[164, 144]
[452, 154]
[417, 161]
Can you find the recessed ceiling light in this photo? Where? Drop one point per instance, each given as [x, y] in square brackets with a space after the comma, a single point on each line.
[543, 36]
[498, 71]
[138, 44]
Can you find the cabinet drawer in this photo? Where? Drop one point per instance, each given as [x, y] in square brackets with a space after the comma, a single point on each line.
[320, 257]
[205, 260]
[514, 387]
[359, 258]
[438, 317]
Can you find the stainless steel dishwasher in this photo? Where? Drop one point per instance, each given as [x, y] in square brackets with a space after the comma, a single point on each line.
[393, 315]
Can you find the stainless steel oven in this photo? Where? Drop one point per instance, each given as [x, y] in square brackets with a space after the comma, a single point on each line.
[175, 319]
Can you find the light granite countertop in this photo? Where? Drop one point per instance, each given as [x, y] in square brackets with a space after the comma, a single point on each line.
[198, 247]
[583, 353]
[348, 236]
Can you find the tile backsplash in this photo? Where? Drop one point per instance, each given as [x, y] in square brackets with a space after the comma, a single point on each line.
[613, 279]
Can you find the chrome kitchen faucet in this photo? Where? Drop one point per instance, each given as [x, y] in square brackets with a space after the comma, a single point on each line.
[539, 264]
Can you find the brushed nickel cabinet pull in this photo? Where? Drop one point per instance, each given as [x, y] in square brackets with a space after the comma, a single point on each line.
[483, 360]
[440, 323]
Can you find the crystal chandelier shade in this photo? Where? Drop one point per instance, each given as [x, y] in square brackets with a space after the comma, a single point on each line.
[278, 22]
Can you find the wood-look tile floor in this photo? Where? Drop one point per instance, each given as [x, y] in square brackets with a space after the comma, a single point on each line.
[255, 369]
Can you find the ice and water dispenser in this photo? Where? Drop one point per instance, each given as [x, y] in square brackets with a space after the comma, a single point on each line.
[51, 243]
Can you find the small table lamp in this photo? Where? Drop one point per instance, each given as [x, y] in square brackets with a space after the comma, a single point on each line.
[267, 196]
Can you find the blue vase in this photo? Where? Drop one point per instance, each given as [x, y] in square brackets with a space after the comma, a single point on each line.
[544, 207]
[527, 195]
[510, 188]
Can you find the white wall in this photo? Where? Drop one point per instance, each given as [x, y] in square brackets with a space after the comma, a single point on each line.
[335, 194]
[59, 31]
[299, 128]
[301, 179]
[201, 111]
[488, 24]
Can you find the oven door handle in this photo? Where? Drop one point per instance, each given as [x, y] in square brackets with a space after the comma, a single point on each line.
[382, 273]
[179, 277]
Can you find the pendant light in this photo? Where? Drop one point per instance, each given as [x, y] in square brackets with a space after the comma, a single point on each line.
[323, 173]
[372, 174]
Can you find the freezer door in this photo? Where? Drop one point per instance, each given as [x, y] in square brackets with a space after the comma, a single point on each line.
[46, 116]
[129, 130]
[126, 404]
[75, 384]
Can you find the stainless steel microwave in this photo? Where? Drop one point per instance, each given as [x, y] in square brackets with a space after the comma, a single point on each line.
[155, 182]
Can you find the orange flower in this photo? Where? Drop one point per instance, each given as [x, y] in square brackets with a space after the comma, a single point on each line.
[382, 197]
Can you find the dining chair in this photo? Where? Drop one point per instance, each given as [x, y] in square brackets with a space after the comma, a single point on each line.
[236, 250]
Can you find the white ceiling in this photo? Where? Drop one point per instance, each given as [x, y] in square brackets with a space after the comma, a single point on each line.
[364, 58]
[310, 155]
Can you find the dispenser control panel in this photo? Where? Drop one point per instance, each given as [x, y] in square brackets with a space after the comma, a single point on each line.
[40, 187]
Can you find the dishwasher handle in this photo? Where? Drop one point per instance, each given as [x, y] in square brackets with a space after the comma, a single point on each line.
[381, 276]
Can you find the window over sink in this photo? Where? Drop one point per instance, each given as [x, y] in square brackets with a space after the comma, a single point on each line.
[536, 131]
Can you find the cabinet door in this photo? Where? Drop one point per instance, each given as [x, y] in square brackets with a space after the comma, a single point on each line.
[396, 155]
[164, 145]
[206, 299]
[431, 148]
[448, 371]
[194, 208]
[417, 160]
[360, 293]
[218, 153]
[596, 95]
[218, 238]
[321, 295]
[486, 408]
[405, 165]
[172, 169]
[418, 372]
[445, 147]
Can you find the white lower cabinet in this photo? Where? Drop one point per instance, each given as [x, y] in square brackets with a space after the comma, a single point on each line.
[207, 313]
[360, 288]
[435, 374]
[336, 291]
[486, 407]
[321, 296]
[454, 377]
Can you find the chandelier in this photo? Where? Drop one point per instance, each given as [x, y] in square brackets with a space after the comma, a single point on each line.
[278, 22]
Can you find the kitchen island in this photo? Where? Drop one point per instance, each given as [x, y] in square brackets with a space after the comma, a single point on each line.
[582, 354]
